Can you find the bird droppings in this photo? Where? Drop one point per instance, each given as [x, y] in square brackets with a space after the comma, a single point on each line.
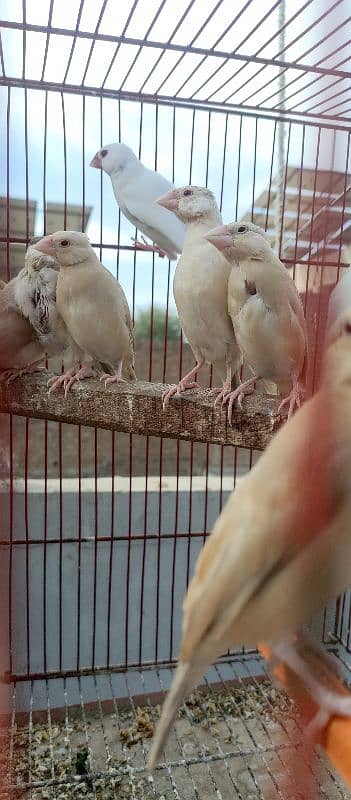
[142, 728]
[238, 731]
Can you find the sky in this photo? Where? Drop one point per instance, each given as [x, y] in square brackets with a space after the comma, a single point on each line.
[61, 129]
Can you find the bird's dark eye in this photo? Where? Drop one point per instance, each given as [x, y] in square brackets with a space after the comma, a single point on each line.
[103, 153]
[187, 192]
[65, 243]
[347, 327]
[242, 229]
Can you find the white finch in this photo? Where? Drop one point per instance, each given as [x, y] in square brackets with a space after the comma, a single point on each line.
[281, 547]
[136, 188]
[266, 313]
[200, 290]
[93, 306]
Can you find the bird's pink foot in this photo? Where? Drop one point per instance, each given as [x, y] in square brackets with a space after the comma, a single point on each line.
[293, 400]
[10, 375]
[184, 384]
[58, 380]
[107, 378]
[222, 392]
[71, 376]
[151, 248]
[238, 394]
[85, 371]
[115, 378]
[177, 389]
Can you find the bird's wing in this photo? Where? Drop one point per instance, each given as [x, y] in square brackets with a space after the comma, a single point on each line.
[280, 294]
[19, 345]
[129, 323]
[32, 298]
[93, 306]
[137, 201]
[297, 308]
[7, 298]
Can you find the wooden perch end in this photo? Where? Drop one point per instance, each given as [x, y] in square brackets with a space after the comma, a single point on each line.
[137, 408]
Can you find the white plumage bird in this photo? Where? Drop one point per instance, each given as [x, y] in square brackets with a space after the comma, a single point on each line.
[136, 188]
[200, 290]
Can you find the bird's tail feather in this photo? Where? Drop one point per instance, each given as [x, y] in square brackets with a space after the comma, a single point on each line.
[186, 678]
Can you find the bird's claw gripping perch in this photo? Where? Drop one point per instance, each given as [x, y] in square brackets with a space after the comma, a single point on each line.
[184, 384]
[111, 379]
[238, 394]
[293, 400]
[224, 391]
[177, 390]
[222, 394]
[10, 375]
[68, 378]
[115, 378]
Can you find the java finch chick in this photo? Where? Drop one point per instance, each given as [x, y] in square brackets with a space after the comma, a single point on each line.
[281, 547]
[200, 290]
[35, 293]
[266, 313]
[136, 188]
[93, 306]
[20, 349]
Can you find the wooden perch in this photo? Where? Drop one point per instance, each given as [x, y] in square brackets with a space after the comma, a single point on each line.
[137, 408]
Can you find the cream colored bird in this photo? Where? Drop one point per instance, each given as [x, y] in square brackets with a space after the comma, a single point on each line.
[200, 290]
[266, 313]
[94, 308]
[281, 547]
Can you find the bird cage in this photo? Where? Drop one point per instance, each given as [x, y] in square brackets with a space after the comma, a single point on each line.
[101, 527]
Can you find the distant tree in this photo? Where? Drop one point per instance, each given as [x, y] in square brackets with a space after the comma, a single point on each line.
[142, 324]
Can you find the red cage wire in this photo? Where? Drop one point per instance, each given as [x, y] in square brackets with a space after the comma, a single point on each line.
[101, 530]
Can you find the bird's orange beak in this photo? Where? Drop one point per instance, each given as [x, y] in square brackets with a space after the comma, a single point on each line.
[45, 245]
[169, 200]
[220, 237]
[96, 162]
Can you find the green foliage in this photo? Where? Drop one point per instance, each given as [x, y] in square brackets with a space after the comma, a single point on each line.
[142, 324]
